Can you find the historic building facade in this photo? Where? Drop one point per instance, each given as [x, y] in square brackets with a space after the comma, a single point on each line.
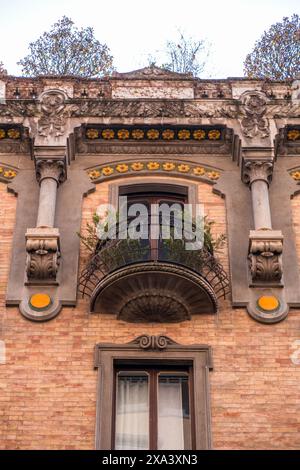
[132, 344]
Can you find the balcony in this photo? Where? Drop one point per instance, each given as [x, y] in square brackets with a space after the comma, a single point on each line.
[152, 280]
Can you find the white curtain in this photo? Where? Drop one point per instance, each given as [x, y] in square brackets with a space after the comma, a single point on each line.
[170, 414]
[132, 413]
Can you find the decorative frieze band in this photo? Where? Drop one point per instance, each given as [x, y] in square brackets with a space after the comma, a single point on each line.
[101, 172]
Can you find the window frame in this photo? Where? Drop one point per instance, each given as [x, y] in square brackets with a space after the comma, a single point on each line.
[153, 351]
[153, 373]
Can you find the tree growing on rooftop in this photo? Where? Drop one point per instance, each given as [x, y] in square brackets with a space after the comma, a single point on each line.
[67, 50]
[276, 54]
[186, 55]
[2, 69]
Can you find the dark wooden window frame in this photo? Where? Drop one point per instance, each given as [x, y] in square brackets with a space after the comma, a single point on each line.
[153, 372]
[154, 351]
[162, 184]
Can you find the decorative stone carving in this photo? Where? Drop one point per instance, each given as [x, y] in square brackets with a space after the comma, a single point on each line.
[153, 342]
[265, 255]
[53, 119]
[152, 72]
[257, 170]
[51, 168]
[254, 122]
[154, 306]
[43, 253]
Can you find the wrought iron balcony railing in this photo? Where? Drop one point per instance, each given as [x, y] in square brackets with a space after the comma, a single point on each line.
[114, 255]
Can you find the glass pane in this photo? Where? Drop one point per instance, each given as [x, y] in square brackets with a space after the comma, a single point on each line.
[174, 418]
[132, 411]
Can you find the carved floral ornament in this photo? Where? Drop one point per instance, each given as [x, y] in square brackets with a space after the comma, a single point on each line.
[99, 173]
[295, 174]
[254, 107]
[53, 114]
[7, 173]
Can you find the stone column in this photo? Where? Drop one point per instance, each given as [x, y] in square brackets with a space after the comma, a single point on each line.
[42, 242]
[265, 244]
[50, 173]
[258, 175]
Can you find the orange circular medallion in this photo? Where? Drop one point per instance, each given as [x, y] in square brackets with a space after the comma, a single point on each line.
[268, 303]
[40, 301]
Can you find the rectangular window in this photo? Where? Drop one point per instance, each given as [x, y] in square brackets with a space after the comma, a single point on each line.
[153, 393]
[153, 409]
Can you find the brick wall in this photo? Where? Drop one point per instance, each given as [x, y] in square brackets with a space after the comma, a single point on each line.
[48, 385]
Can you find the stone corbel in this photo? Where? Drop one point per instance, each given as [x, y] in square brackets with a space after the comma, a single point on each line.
[265, 255]
[43, 255]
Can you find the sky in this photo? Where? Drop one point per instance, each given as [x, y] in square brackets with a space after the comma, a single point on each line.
[135, 29]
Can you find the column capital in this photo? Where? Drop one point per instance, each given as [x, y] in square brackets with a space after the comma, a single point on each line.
[257, 170]
[51, 168]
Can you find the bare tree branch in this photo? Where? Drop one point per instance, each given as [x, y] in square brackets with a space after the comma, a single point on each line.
[276, 55]
[66, 50]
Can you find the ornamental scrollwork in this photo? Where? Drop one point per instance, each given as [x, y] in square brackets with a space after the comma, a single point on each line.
[43, 255]
[265, 256]
[153, 342]
[254, 107]
[53, 116]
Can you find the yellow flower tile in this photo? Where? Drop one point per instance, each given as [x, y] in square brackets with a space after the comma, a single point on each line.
[153, 166]
[168, 166]
[122, 168]
[183, 168]
[138, 166]
[107, 171]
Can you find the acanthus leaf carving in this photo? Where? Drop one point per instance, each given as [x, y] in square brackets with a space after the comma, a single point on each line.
[51, 168]
[43, 255]
[265, 256]
[254, 170]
